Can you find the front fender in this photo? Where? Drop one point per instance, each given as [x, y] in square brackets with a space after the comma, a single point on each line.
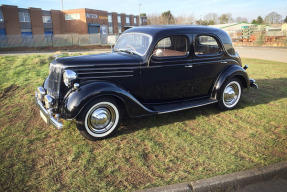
[77, 100]
[228, 73]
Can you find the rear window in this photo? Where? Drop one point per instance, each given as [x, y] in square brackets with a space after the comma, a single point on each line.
[206, 45]
[173, 46]
[230, 49]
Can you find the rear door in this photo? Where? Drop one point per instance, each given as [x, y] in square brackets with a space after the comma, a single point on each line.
[169, 74]
[208, 62]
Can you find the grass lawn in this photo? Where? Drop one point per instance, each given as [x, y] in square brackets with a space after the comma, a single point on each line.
[146, 152]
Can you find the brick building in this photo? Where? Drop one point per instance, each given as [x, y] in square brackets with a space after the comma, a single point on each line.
[33, 21]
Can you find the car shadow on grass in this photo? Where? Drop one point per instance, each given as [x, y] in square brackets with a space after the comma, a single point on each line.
[269, 90]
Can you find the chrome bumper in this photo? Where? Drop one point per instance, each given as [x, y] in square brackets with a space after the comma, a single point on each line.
[50, 119]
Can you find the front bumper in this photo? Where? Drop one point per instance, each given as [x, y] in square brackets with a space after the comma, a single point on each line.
[47, 114]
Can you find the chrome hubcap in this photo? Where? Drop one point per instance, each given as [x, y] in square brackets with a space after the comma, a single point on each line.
[101, 119]
[231, 94]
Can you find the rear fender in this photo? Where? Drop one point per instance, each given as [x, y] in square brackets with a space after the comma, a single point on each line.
[226, 75]
[77, 100]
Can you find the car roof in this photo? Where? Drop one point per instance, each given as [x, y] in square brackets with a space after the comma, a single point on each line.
[155, 29]
[160, 31]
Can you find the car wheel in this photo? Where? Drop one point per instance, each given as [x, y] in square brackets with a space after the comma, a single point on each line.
[100, 119]
[230, 94]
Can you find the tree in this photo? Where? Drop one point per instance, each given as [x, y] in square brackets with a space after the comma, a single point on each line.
[154, 19]
[241, 19]
[158, 19]
[211, 22]
[204, 23]
[211, 18]
[226, 18]
[230, 19]
[285, 20]
[223, 19]
[254, 21]
[167, 18]
[198, 22]
[259, 20]
[201, 22]
[184, 20]
[273, 17]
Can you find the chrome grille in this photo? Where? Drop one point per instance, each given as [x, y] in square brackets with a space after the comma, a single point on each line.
[54, 82]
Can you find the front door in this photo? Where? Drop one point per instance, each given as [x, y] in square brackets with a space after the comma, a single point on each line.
[169, 74]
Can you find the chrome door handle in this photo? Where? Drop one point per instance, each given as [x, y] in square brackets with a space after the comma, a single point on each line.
[224, 62]
[188, 66]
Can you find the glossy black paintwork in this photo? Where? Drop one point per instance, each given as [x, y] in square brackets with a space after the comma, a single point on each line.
[119, 68]
[78, 99]
[98, 60]
[143, 81]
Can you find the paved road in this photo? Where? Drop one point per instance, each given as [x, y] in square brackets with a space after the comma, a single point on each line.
[268, 186]
[265, 53]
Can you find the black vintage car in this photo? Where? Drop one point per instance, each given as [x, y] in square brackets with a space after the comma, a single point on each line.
[152, 70]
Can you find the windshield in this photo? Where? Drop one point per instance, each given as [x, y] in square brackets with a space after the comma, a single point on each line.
[137, 43]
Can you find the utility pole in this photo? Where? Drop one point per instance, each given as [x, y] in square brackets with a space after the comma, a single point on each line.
[62, 4]
[140, 14]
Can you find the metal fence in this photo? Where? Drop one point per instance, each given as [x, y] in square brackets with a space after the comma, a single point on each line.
[59, 40]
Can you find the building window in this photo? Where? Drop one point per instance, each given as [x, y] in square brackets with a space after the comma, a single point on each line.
[1, 16]
[119, 19]
[127, 19]
[47, 19]
[24, 17]
[72, 16]
[2, 33]
[120, 30]
[104, 29]
[48, 34]
[135, 21]
[111, 30]
[110, 18]
[26, 33]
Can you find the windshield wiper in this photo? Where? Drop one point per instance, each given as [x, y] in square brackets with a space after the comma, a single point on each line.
[126, 51]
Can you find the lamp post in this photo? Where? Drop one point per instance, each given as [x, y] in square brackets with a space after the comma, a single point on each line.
[140, 14]
[62, 4]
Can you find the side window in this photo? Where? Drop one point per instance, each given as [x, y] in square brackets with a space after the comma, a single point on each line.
[205, 45]
[171, 47]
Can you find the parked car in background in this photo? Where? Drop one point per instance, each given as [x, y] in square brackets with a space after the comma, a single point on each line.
[152, 70]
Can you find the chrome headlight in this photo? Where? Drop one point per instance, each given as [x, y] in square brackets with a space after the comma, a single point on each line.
[69, 77]
[49, 101]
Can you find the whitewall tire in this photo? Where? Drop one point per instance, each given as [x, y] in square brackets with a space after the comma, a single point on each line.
[100, 119]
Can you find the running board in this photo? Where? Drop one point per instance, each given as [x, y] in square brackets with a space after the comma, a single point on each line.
[166, 108]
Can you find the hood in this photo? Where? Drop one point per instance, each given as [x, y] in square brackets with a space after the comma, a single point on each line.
[98, 60]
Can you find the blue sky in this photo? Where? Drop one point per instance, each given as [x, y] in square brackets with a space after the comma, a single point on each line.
[244, 8]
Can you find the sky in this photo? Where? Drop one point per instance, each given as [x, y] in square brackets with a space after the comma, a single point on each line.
[250, 9]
